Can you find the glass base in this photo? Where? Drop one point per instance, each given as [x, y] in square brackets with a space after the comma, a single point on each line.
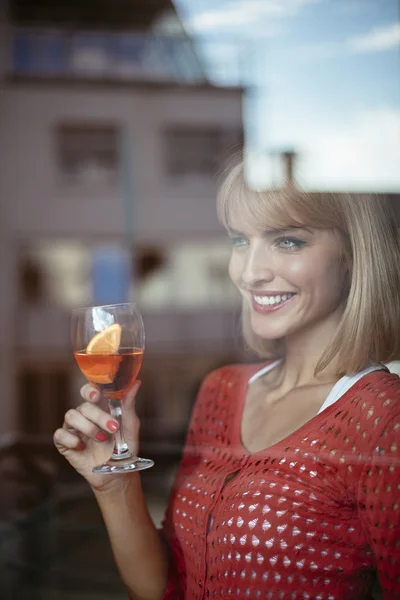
[124, 465]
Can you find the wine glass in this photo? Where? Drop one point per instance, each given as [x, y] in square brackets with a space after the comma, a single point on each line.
[108, 344]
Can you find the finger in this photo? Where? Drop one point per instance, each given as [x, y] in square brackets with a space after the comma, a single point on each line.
[99, 417]
[75, 420]
[90, 393]
[130, 397]
[65, 439]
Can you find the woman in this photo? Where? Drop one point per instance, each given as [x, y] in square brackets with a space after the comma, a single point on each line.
[289, 482]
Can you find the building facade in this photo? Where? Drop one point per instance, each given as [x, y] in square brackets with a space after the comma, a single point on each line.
[110, 138]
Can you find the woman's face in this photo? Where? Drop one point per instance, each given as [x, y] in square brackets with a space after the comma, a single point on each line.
[291, 280]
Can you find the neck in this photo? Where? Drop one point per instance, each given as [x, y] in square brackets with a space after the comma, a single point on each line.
[304, 349]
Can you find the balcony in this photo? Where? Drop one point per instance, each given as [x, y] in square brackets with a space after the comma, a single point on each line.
[106, 56]
[73, 55]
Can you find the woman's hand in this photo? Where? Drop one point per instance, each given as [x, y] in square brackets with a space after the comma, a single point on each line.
[85, 439]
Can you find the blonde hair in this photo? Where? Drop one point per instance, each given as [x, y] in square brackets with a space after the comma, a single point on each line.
[370, 324]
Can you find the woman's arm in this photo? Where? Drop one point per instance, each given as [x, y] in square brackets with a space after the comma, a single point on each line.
[84, 440]
[140, 554]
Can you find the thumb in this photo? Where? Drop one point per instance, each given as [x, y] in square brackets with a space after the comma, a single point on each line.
[129, 400]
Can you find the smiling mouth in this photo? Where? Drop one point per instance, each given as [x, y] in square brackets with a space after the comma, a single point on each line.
[275, 300]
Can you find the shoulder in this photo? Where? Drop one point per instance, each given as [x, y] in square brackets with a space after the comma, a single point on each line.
[381, 390]
[374, 406]
[219, 395]
[231, 375]
[222, 384]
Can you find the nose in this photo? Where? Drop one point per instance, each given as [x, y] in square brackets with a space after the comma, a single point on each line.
[258, 266]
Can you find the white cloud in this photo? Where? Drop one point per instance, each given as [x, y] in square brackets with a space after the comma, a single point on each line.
[376, 40]
[242, 13]
[379, 39]
[362, 153]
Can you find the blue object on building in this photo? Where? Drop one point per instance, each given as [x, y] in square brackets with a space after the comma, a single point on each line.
[39, 53]
[111, 275]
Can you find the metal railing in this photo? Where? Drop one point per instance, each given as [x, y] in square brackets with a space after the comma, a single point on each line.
[127, 56]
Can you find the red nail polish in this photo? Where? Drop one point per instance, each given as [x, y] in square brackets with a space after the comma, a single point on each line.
[81, 446]
[92, 394]
[112, 426]
[101, 436]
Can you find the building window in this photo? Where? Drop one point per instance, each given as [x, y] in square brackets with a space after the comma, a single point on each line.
[87, 154]
[199, 151]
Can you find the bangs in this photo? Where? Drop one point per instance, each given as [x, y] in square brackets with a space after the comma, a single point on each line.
[273, 209]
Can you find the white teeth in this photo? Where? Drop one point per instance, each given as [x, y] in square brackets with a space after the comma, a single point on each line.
[270, 300]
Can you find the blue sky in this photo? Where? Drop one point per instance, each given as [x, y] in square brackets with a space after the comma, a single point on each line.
[328, 84]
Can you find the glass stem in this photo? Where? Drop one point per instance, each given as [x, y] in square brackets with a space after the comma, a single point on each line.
[121, 449]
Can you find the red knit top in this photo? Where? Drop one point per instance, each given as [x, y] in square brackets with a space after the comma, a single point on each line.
[315, 515]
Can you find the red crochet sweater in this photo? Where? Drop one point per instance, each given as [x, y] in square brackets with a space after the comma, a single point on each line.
[313, 516]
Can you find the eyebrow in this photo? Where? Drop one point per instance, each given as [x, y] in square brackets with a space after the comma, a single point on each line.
[272, 231]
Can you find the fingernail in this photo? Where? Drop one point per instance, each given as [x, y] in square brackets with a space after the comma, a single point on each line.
[92, 394]
[81, 446]
[101, 436]
[112, 426]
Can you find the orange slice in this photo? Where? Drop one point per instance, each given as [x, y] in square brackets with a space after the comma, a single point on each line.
[106, 341]
[104, 369]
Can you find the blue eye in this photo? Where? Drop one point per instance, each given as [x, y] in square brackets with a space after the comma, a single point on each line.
[239, 241]
[290, 243]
